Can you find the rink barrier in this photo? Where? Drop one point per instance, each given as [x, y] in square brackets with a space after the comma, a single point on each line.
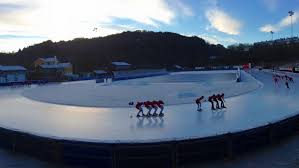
[139, 76]
[171, 153]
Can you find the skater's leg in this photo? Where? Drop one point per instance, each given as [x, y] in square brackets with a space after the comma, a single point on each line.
[223, 104]
[217, 104]
[161, 111]
[140, 111]
[149, 111]
[155, 112]
[212, 105]
[199, 106]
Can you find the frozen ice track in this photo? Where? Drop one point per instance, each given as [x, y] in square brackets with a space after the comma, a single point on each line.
[257, 108]
[183, 129]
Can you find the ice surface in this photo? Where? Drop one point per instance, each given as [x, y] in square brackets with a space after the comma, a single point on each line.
[262, 106]
[173, 89]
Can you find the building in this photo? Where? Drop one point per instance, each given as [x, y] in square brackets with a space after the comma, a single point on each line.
[51, 69]
[52, 64]
[45, 61]
[63, 68]
[12, 74]
[119, 66]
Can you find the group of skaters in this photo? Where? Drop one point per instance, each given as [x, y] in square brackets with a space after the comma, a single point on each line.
[149, 105]
[216, 100]
[284, 78]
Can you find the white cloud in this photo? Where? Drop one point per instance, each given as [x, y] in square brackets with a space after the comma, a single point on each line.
[223, 22]
[209, 39]
[271, 5]
[13, 44]
[68, 19]
[285, 22]
[183, 8]
[214, 39]
[267, 28]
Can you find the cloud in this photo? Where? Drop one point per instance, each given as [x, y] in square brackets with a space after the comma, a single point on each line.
[267, 28]
[223, 22]
[214, 39]
[10, 44]
[285, 22]
[183, 8]
[209, 39]
[271, 5]
[68, 19]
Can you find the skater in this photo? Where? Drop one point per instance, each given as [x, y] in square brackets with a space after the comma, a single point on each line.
[160, 104]
[210, 99]
[215, 100]
[287, 84]
[198, 102]
[139, 107]
[221, 99]
[147, 105]
[154, 105]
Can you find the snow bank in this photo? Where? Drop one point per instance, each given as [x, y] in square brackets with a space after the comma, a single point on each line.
[174, 89]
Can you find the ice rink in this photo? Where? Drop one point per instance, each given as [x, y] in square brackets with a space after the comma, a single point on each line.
[174, 89]
[43, 110]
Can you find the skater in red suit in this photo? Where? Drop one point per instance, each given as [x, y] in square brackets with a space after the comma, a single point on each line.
[216, 101]
[148, 105]
[210, 99]
[220, 97]
[154, 105]
[198, 102]
[160, 104]
[139, 107]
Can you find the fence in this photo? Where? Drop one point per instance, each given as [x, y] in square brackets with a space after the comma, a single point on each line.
[159, 154]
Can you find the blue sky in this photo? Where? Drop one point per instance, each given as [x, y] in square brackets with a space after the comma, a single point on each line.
[26, 22]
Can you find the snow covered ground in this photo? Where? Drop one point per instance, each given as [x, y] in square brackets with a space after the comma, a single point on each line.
[174, 89]
[97, 124]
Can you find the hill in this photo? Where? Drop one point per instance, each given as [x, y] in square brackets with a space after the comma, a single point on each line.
[140, 48]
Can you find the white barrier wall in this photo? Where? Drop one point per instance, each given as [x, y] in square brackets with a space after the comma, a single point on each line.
[118, 75]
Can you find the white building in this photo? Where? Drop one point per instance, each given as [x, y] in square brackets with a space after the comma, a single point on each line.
[12, 74]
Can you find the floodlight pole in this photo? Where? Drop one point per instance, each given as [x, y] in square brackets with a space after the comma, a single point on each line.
[291, 13]
[272, 35]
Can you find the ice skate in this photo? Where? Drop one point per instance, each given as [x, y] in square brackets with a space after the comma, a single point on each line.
[161, 115]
